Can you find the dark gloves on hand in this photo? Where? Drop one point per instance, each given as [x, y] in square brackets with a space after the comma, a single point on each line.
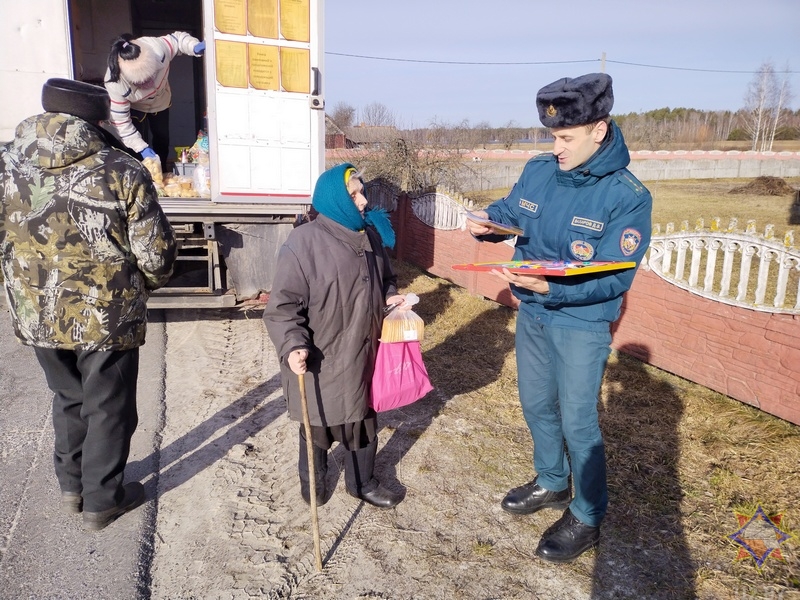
[149, 153]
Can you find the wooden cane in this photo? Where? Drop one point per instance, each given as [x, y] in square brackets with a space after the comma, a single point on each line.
[311, 471]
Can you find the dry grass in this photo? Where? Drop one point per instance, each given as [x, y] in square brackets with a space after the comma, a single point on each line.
[681, 458]
[675, 201]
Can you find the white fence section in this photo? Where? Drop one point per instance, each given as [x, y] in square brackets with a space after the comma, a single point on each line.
[439, 211]
[690, 259]
[443, 210]
[381, 194]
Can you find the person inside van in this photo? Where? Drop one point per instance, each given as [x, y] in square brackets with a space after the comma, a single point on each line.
[137, 80]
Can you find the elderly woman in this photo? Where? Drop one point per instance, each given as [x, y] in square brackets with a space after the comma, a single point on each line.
[137, 81]
[324, 316]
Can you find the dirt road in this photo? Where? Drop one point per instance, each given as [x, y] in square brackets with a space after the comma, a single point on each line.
[231, 523]
[224, 517]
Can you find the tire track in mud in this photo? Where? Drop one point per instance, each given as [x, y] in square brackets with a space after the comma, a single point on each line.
[230, 520]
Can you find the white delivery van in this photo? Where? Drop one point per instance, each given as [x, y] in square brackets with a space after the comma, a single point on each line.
[257, 91]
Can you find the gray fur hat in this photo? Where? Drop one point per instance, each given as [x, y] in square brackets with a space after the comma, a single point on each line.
[579, 101]
[84, 100]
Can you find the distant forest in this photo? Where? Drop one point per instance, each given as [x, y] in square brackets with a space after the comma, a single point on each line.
[656, 129]
[764, 120]
[684, 126]
[663, 128]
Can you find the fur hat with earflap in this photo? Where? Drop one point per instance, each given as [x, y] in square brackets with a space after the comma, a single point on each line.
[136, 62]
[77, 98]
[570, 102]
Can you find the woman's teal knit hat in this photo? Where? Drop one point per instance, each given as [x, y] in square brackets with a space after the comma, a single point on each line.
[332, 199]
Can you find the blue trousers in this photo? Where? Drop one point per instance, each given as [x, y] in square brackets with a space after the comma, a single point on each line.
[559, 372]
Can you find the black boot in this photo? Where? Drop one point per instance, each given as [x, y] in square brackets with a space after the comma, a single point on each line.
[566, 539]
[320, 470]
[359, 482]
[529, 498]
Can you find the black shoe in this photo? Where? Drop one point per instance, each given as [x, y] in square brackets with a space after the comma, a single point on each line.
[380, 497]
[529, 498]
[566, 539]
[134, 495]
[71, 502]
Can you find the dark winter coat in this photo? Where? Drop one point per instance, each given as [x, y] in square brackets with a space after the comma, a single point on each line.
[82, 237]
[597, 211]
[330, 288]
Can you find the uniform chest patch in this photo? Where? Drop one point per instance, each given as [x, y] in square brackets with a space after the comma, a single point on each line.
[588, 224]
[528, 205]
[629, 241]
[582, 250]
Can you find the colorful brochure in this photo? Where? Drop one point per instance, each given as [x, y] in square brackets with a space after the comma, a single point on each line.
[547, 267]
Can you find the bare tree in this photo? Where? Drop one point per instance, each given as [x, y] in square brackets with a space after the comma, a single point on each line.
[484, 133]
[376, 114]
[412, 166]
[419, 159]
[508, 134]
[343, 114]
[784, 96]
[760, 101]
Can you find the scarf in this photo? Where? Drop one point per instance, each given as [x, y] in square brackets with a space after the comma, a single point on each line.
[332, 199]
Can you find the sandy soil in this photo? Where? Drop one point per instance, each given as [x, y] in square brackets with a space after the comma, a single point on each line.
[231, 523]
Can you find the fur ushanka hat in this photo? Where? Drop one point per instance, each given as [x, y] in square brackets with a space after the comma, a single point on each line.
[579, 101]
[77, 98]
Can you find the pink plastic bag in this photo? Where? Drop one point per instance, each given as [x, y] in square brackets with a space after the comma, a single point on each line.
[400, 376]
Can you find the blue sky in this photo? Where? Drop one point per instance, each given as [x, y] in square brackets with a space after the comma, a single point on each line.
[706, 35]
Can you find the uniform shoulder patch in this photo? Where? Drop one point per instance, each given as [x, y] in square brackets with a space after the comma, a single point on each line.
[629, 241]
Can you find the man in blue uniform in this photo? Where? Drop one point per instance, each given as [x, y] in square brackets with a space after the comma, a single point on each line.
[579, 203]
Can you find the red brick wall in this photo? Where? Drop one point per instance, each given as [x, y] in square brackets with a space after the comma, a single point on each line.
[749, 355]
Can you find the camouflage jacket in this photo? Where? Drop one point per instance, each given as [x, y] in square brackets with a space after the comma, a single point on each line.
[82, 237]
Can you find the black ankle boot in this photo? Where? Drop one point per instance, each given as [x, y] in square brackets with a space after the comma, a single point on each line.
[566, 539]
[320, 471]
[360, 483]
[529, 498]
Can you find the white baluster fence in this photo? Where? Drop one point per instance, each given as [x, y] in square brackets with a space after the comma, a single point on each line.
[741, 268]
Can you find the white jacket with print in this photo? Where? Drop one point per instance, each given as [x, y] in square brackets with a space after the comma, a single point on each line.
[155, 98]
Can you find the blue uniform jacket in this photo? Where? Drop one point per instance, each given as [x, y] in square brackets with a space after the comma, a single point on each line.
[597, 211]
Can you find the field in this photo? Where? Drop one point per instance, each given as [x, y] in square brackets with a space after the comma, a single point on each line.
[681, 200]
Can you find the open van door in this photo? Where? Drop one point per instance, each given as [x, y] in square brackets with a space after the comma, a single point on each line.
[34, 46]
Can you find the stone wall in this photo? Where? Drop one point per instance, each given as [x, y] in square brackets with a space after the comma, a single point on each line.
[501, 170]
[749, 355]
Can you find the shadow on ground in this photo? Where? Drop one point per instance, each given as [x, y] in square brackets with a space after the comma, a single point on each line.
[643, 552]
